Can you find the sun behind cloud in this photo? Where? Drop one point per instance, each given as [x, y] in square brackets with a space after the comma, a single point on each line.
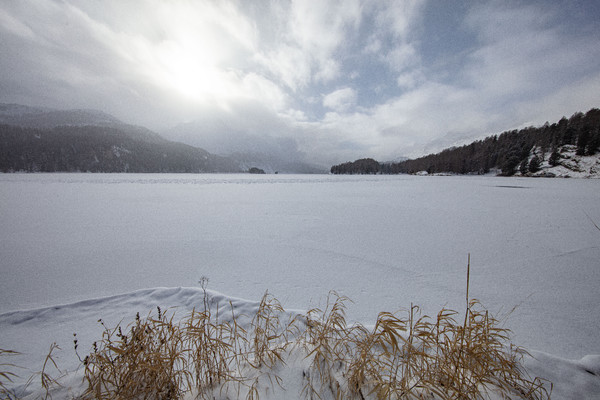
[201, 52]
[191, 71]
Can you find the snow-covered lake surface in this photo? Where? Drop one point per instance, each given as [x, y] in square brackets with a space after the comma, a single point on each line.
[384, 241]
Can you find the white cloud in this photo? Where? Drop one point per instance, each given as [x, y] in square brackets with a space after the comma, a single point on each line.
[524, 53]
[258, 88]
[340, 100]
[288, 65]
[581, 95]
[320, 28]
[310, 35]
[399, 17]
[401, 57]
[394, 41]
[266, 65]
[408, 80]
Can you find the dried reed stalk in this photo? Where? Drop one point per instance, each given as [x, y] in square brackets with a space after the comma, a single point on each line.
[6, 377]
[406, 355]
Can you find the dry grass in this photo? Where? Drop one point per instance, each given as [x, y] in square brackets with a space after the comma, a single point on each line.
[411, 356]
[6, 377]
[147, 360]
[161, 359]
[47, 381]
[406, 355]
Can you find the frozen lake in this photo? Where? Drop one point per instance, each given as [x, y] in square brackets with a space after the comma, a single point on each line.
[384, 241]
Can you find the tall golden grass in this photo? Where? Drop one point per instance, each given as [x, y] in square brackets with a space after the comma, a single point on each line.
[159, 358]
[405, 355]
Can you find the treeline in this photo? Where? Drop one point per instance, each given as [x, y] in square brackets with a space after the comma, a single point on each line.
[362, 166]
[99, 149]
[508, 151]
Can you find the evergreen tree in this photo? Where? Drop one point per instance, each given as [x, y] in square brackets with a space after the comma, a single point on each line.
[554, 158]
[594, 142]
[523, 168]
[534, 165]
[582, 142]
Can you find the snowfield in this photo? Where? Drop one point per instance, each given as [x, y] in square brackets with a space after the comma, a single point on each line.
[79, 247]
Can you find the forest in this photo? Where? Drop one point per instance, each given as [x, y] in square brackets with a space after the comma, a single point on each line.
[100, 149]
[508, 151]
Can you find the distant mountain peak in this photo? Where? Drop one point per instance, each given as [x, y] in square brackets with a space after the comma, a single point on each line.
[44, 118]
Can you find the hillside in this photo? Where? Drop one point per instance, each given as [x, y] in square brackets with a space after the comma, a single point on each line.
[45, 140]
[566, 148]
[91, 140]
[569, 164]
[99, 149]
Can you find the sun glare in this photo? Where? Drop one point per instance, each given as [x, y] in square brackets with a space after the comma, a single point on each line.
[192, 57]
[188, 73]
[191, 71]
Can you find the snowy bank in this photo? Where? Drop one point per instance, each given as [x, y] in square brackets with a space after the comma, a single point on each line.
[31, 332]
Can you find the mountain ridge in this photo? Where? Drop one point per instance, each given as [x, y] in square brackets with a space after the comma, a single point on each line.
[47, 122]
[35, 139]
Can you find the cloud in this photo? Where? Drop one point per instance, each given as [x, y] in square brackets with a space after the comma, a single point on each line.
[340, 100]
[525, 52]
[400, 18]
[320, 28]
[287, 64]
[402, 57]
[408, 80]
[397, 27]
[60, 58]
[525, 68]
[338, 79]
[310, 34]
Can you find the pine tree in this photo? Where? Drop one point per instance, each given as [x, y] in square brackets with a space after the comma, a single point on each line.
[523, 167]
[534, 165]
[554, 158]
[582, 142]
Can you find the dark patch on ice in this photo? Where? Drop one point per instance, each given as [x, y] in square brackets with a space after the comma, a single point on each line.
[513, 187]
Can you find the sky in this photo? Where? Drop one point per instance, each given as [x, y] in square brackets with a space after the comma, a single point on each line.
[332, 80]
